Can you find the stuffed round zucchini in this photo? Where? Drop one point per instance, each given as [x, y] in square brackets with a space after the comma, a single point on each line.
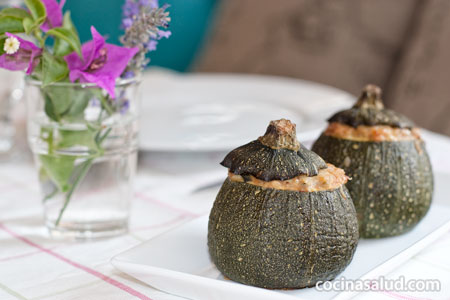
[283, 217]
[381, 151]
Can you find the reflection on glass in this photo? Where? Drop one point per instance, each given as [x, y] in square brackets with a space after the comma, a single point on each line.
[10, 92]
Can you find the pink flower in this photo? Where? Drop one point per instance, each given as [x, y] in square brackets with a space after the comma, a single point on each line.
[102, 64]
[25, 56]
[54, 14]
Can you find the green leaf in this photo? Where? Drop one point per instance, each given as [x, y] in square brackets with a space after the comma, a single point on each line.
[58, 100]
[53, 69]
[11, 19]
[37, 72]
[50, 110]
[28, 25]
[61, 47]
[15, 12]
[105, 104]
[62, 102]
[59, 169]
[37, 10]
[71, 138]
[68, 36]
[2, 45]
[67, 23]
[10, 24]
[79, 103]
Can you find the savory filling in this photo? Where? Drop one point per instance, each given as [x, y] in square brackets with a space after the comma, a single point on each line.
[376, 133]
[330, 178]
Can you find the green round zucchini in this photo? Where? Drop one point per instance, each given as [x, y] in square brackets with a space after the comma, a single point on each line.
[281, 239]
[391, 180]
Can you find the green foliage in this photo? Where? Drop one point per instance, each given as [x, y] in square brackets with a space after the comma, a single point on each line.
[15, 12]
[58, 100]
[80, 101]
[59, 169]
[11, 20]
[2, 45]
[28, 25]
[37, 10]
[71, 138]
[53, 69]
[68, 36]
[50, 110]
[10, 24]
[68, 103]
[61, 47]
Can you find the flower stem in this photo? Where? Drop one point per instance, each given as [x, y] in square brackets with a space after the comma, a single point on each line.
[84, 169]
[106, 106]
[38, 36]
[50, 196]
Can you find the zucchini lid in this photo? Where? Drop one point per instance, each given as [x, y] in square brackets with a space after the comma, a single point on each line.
[370, 111]
[277, 155]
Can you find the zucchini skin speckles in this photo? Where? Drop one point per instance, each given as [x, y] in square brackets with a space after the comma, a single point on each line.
[281, 239]
[391, 181]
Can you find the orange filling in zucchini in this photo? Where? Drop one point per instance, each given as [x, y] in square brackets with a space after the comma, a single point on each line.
[377, 133]
[330, 178]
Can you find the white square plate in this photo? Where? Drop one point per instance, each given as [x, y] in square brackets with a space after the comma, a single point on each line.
[177, 262]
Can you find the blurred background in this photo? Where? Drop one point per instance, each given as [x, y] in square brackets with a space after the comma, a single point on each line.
[191, 20]
[400, 45]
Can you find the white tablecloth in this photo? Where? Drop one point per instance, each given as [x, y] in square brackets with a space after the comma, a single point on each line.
[33, 266]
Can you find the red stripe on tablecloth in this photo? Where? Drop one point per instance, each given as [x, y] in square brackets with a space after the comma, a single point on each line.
[23, 255]
[76, 265]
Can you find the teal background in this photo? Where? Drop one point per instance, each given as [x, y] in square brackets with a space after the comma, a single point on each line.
[190, 22]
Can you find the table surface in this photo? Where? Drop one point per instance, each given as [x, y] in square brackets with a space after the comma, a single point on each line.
[34, 266]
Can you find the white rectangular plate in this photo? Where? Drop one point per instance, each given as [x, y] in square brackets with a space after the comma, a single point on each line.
[177, 262]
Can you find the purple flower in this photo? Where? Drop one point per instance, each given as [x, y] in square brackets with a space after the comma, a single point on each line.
[54, 14]
[165, 6]
[128, 74]
[164, 34]
[151, 45]
[148, 4]
[102, 62]
[127, 22]
[130, 8]
[154, 4]
[146, 28]
[125, 106]
[144, 2]
[22, 55]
